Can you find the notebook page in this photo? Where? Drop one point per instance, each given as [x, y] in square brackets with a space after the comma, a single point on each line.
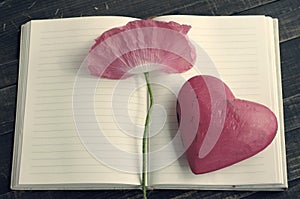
[52, 151]
[237, 47]
[273, 36]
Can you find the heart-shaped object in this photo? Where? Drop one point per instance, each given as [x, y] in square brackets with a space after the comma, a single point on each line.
[217, 129]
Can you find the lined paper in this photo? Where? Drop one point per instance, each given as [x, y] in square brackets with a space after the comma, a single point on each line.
[53, 152]
[237, 51]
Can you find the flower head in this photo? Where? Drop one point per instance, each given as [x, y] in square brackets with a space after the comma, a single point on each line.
[142, 46]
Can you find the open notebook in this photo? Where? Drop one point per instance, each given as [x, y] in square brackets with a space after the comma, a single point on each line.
[48, 152]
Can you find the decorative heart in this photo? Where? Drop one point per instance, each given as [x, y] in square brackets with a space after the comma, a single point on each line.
[217, 129]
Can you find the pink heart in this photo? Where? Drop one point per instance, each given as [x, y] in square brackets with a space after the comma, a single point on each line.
[217, 129]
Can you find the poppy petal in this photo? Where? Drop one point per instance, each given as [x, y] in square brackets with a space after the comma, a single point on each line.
[140, 46]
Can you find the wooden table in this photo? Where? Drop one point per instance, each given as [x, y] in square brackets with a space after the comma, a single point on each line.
[13, 13]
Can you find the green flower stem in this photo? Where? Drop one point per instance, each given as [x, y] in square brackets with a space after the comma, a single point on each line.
[145, 135]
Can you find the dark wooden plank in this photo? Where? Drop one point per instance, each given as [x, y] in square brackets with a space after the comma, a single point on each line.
[290, 70]
[198, 194]
[6, 141]
[292, 113]
[293, 154]
[136, 8]
[8, 73]
[7, 110]
[290, 67]
[216, 7]
[287, 11]
[7, 107]
[125, 194]
[15, 13]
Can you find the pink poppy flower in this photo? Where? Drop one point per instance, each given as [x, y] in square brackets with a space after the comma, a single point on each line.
[142, 46]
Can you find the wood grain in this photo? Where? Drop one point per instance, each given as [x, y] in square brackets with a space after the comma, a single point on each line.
[14, 13]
